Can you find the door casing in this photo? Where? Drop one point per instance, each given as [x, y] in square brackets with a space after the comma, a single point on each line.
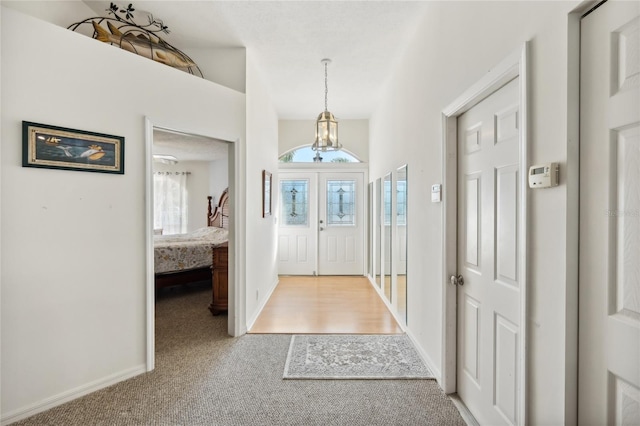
[236, 323]
[515, 65]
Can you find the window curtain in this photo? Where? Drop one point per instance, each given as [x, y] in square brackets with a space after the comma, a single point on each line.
[170, 207]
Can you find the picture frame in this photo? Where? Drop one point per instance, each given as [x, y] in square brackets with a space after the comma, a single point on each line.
[266, 193]
[54, 147]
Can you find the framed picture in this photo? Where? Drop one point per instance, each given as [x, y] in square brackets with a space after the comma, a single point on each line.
[266, 193]
[55, 147]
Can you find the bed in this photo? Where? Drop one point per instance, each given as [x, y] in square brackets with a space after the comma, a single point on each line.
[184, 258]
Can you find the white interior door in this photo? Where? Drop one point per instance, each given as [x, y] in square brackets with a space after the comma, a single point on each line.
[341, 224]
[609, 319]
[488, 257]
[298, 230]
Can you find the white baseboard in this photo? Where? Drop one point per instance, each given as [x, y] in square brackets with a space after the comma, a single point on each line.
[61, 398]
[263, 303]
[427, 360]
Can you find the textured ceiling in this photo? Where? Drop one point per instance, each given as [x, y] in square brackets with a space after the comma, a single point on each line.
[287, 40]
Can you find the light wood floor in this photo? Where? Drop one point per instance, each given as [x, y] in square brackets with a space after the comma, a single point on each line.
[325, 305]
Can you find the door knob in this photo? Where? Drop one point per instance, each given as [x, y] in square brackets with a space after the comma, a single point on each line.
[321, 228]
[456, 280]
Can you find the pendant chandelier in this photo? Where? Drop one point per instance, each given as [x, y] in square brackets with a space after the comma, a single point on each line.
[326, 124]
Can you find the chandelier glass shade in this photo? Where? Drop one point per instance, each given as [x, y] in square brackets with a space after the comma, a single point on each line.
[326, 124]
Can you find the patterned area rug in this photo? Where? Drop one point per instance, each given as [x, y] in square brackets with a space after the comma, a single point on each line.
[354, 357]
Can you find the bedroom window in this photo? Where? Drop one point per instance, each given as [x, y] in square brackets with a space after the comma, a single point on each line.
[170, 207]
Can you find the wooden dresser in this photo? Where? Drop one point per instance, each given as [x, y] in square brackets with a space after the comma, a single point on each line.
[220, 278]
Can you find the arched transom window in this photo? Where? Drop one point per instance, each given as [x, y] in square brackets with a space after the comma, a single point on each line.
[307, 155]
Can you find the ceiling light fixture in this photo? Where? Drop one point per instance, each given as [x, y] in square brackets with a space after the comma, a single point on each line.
[165, 159]
[326, 124]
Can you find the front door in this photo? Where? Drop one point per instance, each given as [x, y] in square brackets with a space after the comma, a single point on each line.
[297, 233]
[488, 258]
[341, 217]
[321, 228]
[609, 318]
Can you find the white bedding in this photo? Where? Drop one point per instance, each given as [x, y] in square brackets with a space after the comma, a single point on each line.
[181, 252]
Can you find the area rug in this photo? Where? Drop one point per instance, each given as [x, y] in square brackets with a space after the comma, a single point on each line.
[354, 357]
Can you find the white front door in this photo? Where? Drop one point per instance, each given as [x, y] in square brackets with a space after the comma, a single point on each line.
[297, 234]
[321, 228]
[488, 257]
[341, 217]
[609, 304]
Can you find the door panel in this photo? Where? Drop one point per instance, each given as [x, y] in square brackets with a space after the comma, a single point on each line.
[609, 314]
[341, 222]
[298, 218]
[506, 384]
[471, 338]
[321, 223]
[507, 225]
[472, 223]
[488, 256]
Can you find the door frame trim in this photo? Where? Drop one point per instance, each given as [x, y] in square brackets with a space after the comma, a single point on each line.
[514, 65]
[236, 322]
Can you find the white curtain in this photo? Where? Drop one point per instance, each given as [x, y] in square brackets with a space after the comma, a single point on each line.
[170, 207]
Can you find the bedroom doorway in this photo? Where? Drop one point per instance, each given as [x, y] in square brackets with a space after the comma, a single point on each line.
[188, 176]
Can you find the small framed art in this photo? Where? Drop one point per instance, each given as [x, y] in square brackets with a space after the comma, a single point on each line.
[55, 147]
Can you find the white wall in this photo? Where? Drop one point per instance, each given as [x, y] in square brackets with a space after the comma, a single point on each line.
[353, 135]
[197, 189]
[225, 66]
[455, 46]
[58, 12]
[73, 243]
[262, 137]
[218, 179]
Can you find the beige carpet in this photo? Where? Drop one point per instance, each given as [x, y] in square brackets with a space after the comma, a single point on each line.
[204, 377]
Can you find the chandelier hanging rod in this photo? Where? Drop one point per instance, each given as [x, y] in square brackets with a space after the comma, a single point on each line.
[326, 63]
[326, 124]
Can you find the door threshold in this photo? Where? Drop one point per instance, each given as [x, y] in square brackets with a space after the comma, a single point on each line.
[463, 410]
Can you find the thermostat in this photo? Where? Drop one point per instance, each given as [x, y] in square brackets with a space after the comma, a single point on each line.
[544, 175]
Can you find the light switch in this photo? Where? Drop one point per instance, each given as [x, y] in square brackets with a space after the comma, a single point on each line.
[436, 191]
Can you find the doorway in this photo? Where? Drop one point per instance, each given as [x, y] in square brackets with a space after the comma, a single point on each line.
[488, 210]
[322, 225]
[485, 331]
[193, 147]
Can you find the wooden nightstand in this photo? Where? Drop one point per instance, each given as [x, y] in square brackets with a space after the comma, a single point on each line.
[220, 278]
